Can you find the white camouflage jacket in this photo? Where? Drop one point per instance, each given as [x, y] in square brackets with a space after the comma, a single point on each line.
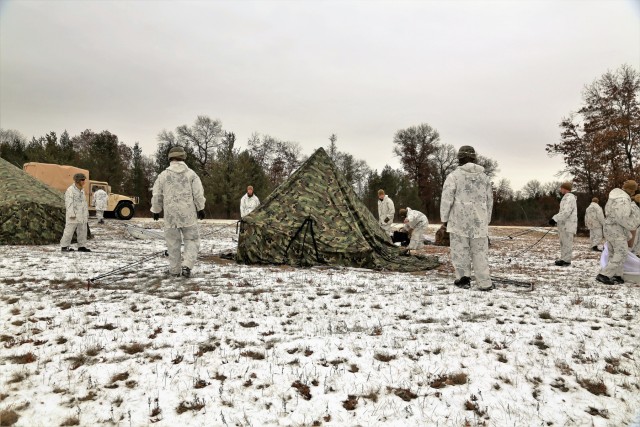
[467, 201]
[386, 209]
[567, 216]
[100, 200]
[594, 216]
[178, 191]
[621, 212]
[416, 219]
[76, 204]
[248, 204]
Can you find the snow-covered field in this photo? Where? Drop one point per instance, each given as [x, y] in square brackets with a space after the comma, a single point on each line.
[240, 345]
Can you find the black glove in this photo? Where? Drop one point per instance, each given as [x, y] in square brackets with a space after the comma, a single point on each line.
[201, 214]
[552, 222]
[156, 216]
[386, 220]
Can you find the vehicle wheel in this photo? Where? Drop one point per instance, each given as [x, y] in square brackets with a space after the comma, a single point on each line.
[125, 211]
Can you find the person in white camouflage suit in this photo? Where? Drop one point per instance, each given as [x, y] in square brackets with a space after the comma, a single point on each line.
[465, 209]
[248, 202]
[386, 211]
[622, 217]
[77, 215]
[567, 221]
[100, 198]
[594, 221]
[416, 222]
[178, 191]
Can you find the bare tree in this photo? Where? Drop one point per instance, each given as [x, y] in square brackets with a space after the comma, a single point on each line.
[203, 137]
[532, 189]
[277, 158]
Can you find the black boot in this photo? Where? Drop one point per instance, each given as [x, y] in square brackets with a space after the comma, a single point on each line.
[83, 249]
[604, 279]
[595, 248]
[617, 279]
[66, 249]
[562, 263]
[186, 272]
[464, 282]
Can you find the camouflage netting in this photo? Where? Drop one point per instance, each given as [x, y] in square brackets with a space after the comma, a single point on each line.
[315, 218]
[31, 213]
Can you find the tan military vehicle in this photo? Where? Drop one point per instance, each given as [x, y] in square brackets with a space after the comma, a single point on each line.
[61, 177]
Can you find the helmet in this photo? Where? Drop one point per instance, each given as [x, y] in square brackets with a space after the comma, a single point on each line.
[177, 153]
[79, 177]
[466, 151]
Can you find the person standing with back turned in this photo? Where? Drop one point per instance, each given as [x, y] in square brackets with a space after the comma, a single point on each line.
[178, 191]
[467, 202]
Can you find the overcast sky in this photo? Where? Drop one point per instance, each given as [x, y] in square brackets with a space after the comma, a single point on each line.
[498, 75]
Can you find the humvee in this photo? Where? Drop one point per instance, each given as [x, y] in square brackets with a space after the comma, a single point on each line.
[60, 177]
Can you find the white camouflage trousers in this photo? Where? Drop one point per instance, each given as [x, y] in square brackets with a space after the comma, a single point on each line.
[595, 235]
[174, 238]
[99, 215]
[466, 251]
[618, 250]
[417, 237]
[566, 245]
[80, 228]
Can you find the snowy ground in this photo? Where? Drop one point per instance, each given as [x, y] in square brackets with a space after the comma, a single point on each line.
[266, 345]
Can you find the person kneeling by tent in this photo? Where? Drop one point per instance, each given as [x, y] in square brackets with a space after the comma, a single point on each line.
[417, 222]
[623, 217]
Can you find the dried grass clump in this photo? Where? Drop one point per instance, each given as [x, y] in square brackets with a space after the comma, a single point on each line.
[134, 348]
[253, 354]
[23, 359]
[8, 417]
[384, 357]
[351, 403]
[71, 421]
[302, 389]
[597, 387]
[195, 405]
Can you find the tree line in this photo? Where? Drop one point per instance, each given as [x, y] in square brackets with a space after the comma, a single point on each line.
[599, 144]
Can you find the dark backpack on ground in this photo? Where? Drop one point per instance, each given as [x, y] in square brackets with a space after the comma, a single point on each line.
[402, 237]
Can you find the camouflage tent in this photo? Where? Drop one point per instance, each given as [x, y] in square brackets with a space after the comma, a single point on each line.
[315, 218]
[31, 213]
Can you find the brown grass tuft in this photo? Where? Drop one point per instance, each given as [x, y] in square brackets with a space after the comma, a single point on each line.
[303, 390]
[119, 377]
[597, 387]
[384, 357]
[249, 324]
[134, 348]
[351, 403]
[8, 417]
[71, 421]
[195, 405]
[25, 358]
[403, 393]
[253, 354]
